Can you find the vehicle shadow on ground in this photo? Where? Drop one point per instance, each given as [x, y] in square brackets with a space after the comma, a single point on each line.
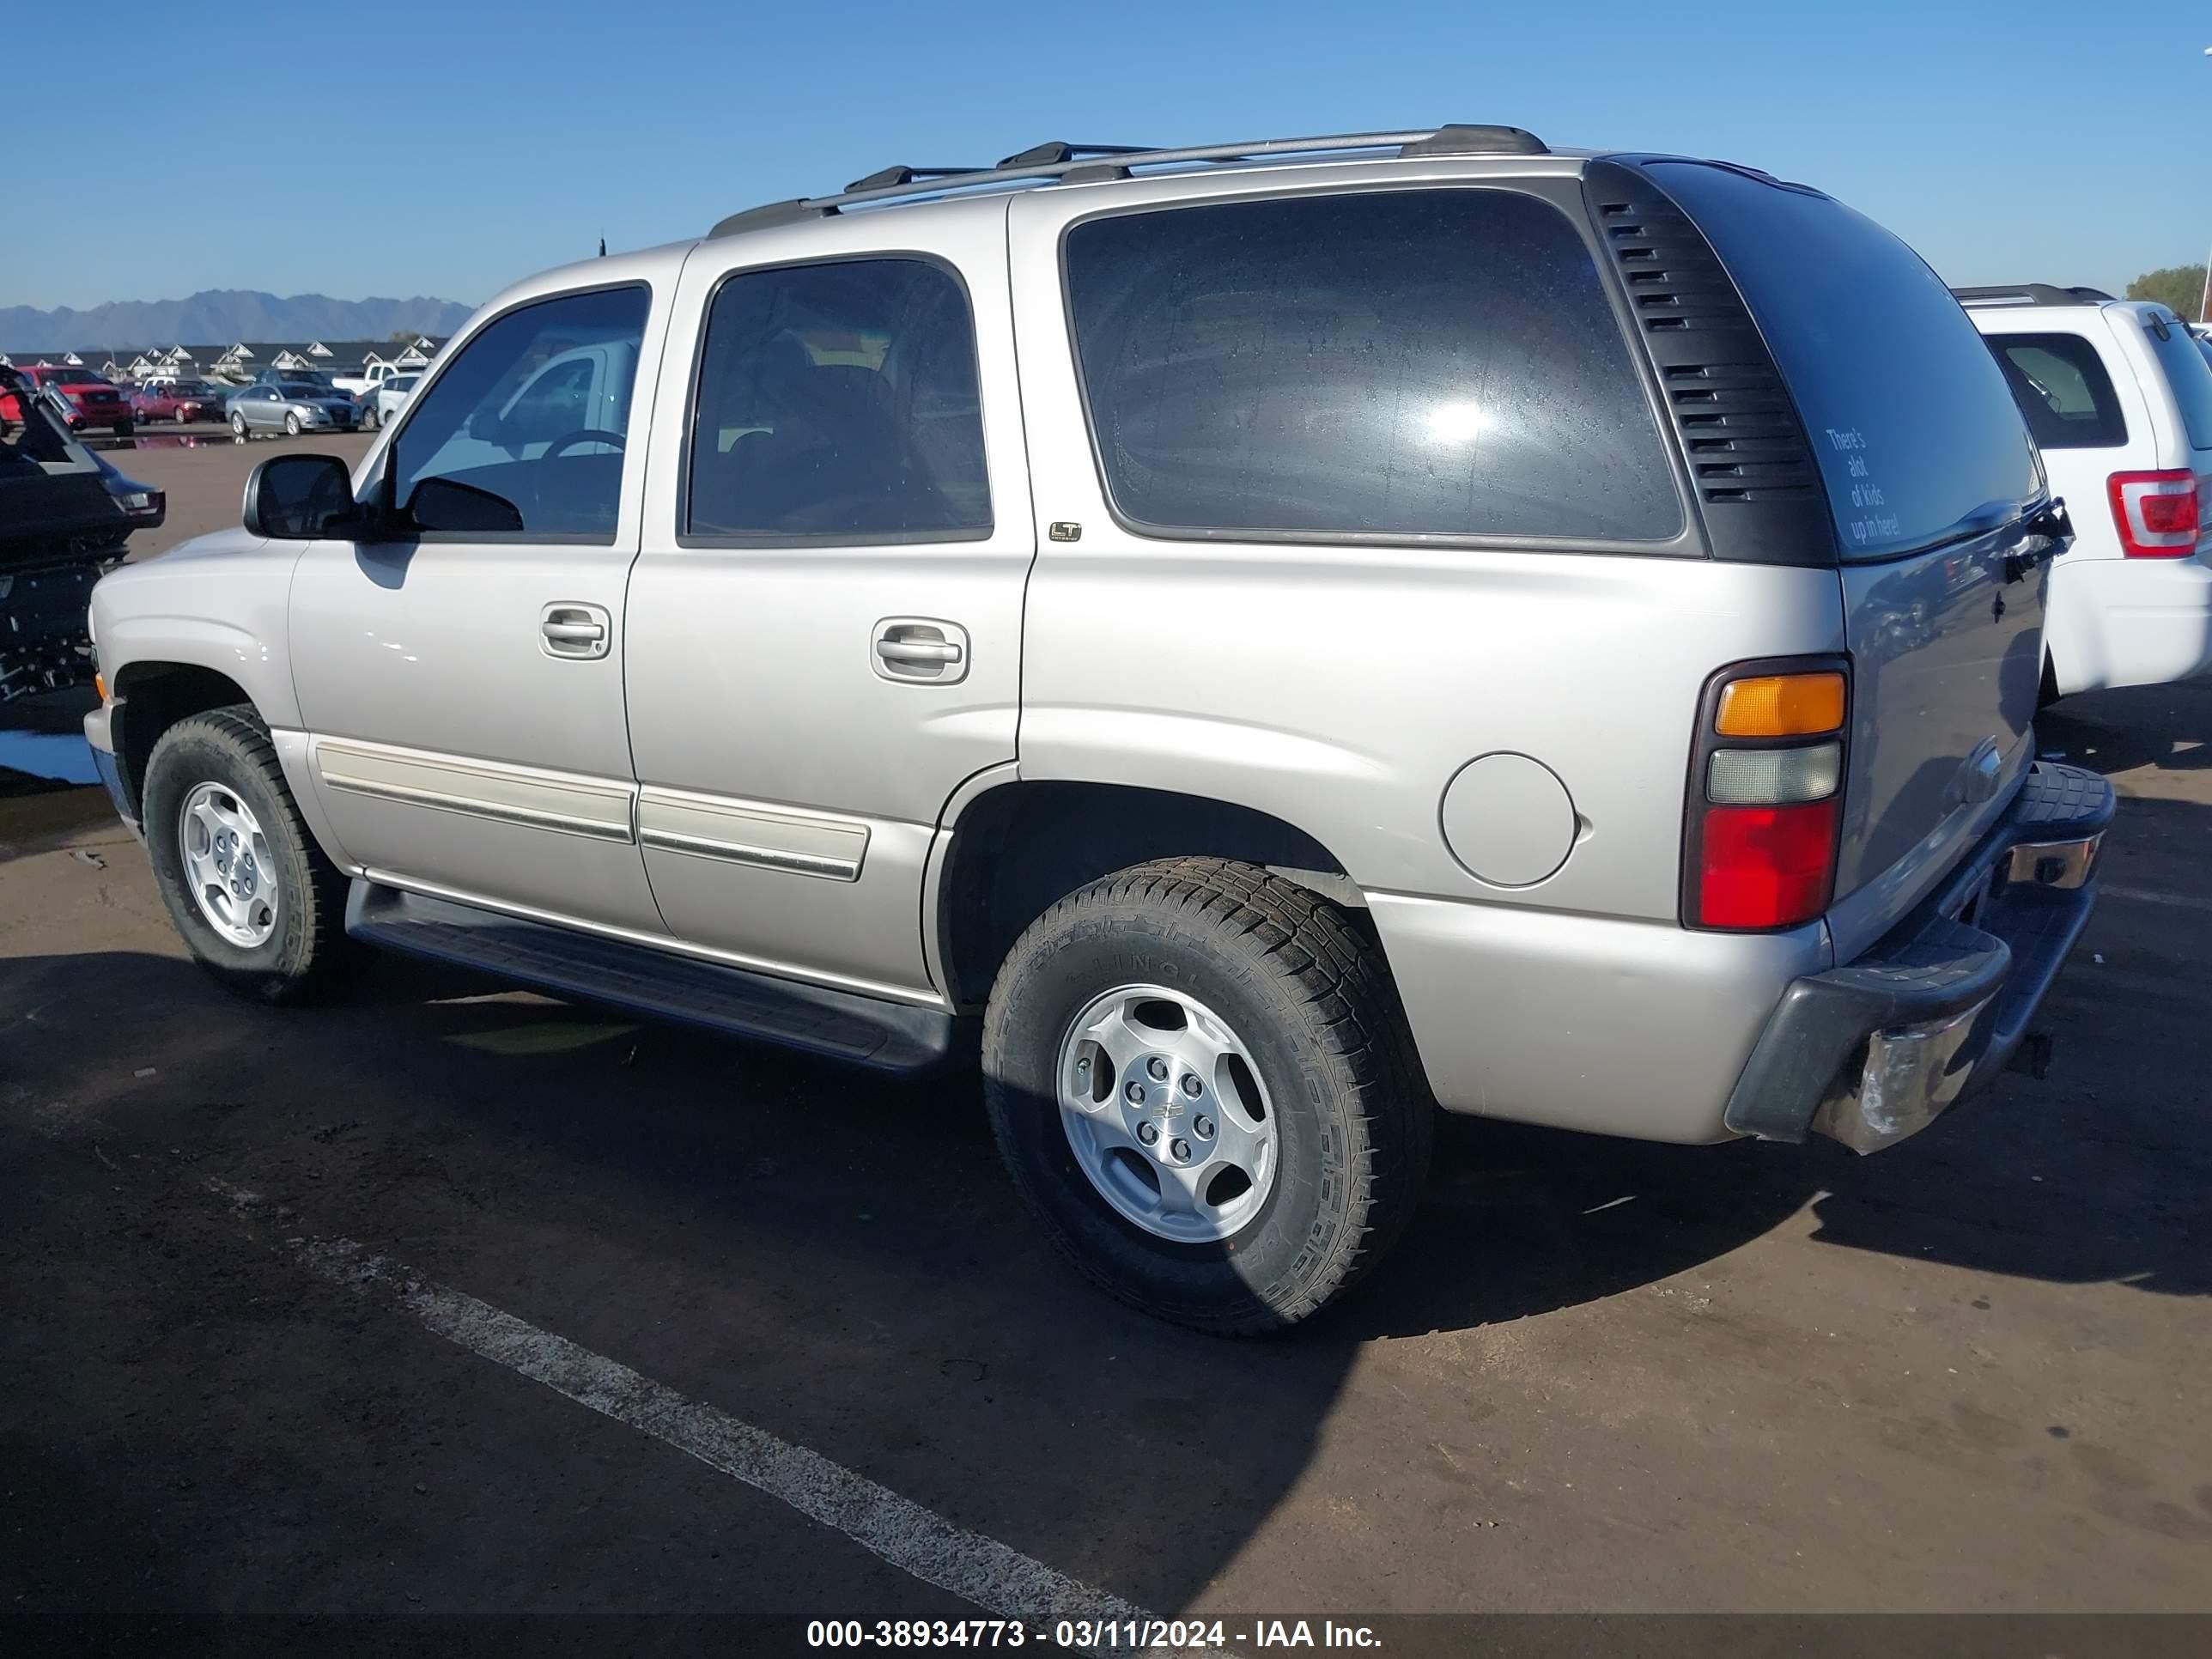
[2166, 727]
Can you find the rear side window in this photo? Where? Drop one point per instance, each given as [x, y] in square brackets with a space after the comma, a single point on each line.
[1438, 362]
[2187, 372]
[1919, 438]
[2061, 386]
[838, 402]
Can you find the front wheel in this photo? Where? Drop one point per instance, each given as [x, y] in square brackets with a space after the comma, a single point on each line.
[291, 426]
[182, 416]
[368, 418]
[260, 905]
[1199, 1079]
[237, 426]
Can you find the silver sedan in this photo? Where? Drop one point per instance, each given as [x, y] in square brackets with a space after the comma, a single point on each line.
[291, 407]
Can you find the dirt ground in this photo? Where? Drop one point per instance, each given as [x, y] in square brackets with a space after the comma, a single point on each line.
[1968, 1374]
[203, 472]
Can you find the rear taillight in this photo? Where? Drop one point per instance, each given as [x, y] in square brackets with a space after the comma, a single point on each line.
[2155, 512]
[1765, 795]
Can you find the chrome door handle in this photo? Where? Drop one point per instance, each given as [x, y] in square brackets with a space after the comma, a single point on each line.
[578, 632]
[918, 651]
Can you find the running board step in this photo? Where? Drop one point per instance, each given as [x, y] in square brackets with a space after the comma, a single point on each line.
[891, 1036]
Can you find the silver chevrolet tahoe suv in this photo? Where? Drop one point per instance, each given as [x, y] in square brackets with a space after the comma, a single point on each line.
[1291, 634]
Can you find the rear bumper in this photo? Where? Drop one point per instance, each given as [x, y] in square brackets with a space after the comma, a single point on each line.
[1876, 1050]
[2129, 622]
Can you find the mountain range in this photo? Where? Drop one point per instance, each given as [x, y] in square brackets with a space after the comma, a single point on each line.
[222, 316]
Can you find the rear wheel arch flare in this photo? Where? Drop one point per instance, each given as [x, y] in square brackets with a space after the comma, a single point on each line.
[1020, 846]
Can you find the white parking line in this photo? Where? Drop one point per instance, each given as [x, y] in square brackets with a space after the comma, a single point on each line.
[1003, 1582]
[2140, 895]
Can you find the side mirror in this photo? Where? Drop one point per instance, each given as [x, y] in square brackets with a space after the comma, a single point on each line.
[299, 497]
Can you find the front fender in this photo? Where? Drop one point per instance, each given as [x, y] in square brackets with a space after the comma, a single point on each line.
[221, 608]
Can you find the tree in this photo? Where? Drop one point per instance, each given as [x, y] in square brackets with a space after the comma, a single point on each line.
[2181, 288]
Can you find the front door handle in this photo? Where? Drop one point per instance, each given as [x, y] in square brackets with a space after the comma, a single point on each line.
[579, 632]
[921, 649]
[918, 651]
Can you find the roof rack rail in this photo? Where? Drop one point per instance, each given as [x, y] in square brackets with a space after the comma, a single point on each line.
[1459, 138]
[884, 178]
[2029, 294]
[1056, 162]
[1053, 151]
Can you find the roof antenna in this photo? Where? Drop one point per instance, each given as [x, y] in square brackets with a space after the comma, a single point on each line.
[603, 247]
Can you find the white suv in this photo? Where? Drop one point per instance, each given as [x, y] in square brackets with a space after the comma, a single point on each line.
[2119, 398]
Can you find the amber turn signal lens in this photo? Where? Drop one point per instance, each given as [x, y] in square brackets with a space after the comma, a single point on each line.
[1781, 706]
[99, 686]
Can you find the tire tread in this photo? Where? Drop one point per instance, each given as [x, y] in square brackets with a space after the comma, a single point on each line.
[1311, 945]
[328, 954]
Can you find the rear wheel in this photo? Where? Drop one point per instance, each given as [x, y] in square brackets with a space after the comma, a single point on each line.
[253, 896]
[1197, 1076]
[292, 426]
[368, 416]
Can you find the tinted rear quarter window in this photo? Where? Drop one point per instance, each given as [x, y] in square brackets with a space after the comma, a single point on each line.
[2060, 383]
[1435, 362]
[1918, 437]
[2190, 376]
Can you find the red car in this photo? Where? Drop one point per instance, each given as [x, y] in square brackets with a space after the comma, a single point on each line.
[92, 401]
[178, 400]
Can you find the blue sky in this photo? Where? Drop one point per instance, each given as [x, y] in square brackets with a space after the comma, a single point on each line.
[402, 148]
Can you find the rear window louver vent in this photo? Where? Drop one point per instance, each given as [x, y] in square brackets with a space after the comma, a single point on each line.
[1740, 434]
[1737, 426]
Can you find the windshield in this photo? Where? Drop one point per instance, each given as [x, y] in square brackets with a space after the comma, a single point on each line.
[191, 389]
[402, 382]
[75, 377]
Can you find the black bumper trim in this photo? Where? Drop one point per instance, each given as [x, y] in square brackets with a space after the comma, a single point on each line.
[1932, 967]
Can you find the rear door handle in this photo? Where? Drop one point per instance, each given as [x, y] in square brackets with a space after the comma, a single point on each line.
[576, 631]
[921, 650]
